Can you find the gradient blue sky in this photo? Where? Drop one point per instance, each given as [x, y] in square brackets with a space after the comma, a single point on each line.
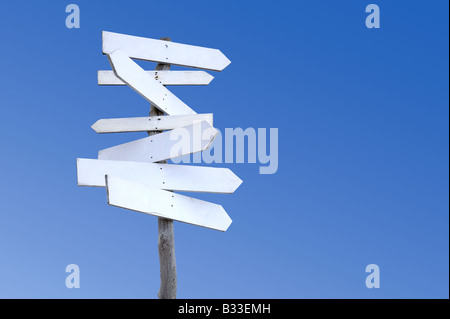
[363, 150]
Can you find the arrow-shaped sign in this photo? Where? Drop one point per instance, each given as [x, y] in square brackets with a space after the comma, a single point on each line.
[166, 77]
[152, 123]
[145, 199]
[91, 172]
[164, 51]
[151, 89]
[181, 141]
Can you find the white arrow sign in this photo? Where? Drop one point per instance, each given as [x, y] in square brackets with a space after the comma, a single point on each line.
[145, 199]
[152, 123]
[146, 85]
[178, 142]
[164, 51]
[91, 172]
[166, 77]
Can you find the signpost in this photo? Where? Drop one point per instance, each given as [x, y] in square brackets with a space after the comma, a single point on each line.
[166, 233]
[135, 174]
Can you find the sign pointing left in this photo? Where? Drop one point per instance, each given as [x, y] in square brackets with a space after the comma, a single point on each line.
[152, 123]
[166, 77]
[181, 141]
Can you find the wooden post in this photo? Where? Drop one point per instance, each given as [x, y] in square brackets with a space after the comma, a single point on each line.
[166, 238]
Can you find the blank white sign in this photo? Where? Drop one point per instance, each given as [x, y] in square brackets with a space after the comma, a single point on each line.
[164, 51]
[187, 178]
[145, 199]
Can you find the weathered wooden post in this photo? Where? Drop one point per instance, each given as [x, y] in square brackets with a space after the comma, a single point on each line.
[166, 236]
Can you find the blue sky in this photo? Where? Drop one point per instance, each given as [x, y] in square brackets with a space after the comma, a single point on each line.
[363, 129]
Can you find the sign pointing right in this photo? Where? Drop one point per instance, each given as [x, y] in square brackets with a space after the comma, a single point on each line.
[145, 199]
[185, 178]
[164, 52]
